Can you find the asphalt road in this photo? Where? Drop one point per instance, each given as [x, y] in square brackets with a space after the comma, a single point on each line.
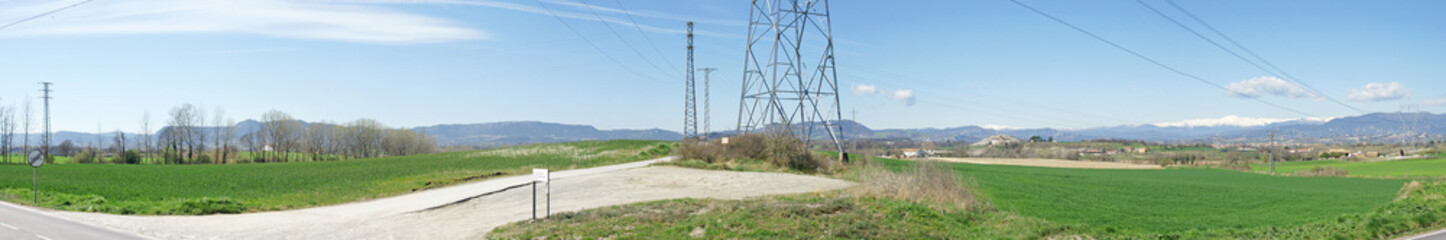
[20, 223]
[1437, 235]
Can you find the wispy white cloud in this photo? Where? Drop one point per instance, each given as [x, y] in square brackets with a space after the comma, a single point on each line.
[903, 95]
[864, 89]
[1376, 92]
[1435, 102]
[579, 12]
[275, 18]
[1261, 86]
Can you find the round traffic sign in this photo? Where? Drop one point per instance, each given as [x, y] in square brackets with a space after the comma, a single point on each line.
[36, 159]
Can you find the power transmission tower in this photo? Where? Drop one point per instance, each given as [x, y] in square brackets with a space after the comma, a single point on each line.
[781, 89]
[1408, 127]
[707, 106]
[45, 138]
[690, 111]
[1272, 151]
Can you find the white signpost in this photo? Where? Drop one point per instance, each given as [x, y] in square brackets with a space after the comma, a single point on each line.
[36, 159]
[543, 176]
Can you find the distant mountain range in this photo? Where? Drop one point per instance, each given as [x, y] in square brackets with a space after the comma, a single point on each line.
[1375, 127]
[1371, 128]
[513, 133]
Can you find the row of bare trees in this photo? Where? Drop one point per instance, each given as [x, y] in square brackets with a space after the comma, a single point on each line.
[187, 137]
[279, 138]
[8, 122]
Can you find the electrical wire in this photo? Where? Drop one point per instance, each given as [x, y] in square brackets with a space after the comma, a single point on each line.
[1256, 56]
[938, 84]
[624, 40]
[645, 34]
[44, 14]
[1148, 59]
[594, 45]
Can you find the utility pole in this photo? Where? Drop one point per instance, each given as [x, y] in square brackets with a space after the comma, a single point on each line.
[1272, 151]
[690, 105]
[45, 147]
[707, 106]
[45, 138]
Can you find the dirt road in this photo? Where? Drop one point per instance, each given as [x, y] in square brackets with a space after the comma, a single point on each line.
[1049, 163]
[409, 216]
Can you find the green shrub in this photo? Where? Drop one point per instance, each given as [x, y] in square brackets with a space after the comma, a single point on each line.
[778, 150]
[202, 159]
[130, 157]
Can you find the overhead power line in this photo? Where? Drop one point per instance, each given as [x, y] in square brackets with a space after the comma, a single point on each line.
[1148, 59]
[44, 14]
[594, 45]
[1017, 103]
[1277, 71]
[645, 35]
[624, 40]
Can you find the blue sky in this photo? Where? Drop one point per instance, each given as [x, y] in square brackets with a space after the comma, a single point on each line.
[425, 62]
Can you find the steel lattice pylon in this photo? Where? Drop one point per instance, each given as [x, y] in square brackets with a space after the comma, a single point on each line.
[784, 93]
[690, 105]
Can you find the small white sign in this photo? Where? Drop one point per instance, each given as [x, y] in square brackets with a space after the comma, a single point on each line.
[541, 174]
[725, 141]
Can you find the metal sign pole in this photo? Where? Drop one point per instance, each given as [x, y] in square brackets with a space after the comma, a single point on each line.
[534, 200]
[542, 175]
[36, 160]
[548, 213]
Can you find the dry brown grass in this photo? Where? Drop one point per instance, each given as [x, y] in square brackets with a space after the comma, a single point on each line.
[929, 182]
[1320, 171]
[1409, 188]
[778, 150]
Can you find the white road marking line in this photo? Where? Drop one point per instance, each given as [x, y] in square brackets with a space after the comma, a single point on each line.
[43, 237]
[8, 226]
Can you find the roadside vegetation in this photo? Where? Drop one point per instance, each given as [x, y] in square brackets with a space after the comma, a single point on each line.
[993, 201]
[208, 189]
[754, 152]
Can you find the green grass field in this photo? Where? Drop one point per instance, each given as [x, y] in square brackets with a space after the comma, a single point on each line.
[1400, 168]
[194, 189]
[1172, 200]
[1033, 202]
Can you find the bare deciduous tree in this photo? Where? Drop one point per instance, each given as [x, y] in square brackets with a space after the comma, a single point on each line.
[318, 137]
[228, 135]
[216, 130]
[366, 137]
[7, 131]
[181, 132]
[282, 130]
[146, 134]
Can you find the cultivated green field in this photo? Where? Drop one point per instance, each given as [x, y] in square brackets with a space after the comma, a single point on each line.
[1033, 202]
[20, 159]
[195, 189]
[1399, 168]
[1173, 200]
